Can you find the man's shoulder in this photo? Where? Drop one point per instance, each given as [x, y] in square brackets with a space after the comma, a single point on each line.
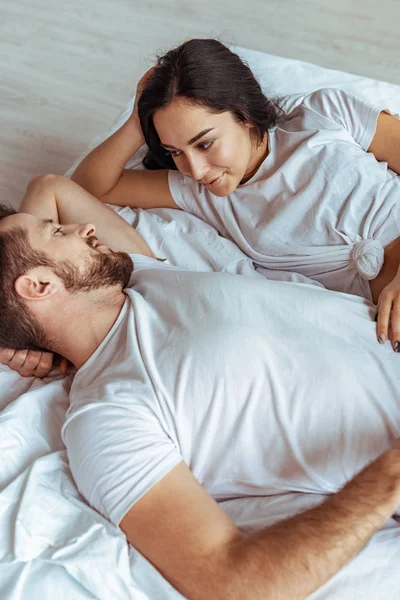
[113, 389]
[141, 264]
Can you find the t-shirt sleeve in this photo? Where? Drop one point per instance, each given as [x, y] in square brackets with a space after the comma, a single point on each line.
[354, 114]
[193, 197]
[184, 190]
[117, 455]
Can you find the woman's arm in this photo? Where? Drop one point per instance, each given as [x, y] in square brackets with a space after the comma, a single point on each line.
[385, 145]
[101, 169]
[103, 173]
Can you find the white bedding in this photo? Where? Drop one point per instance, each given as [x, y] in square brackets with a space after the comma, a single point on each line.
[52, 544]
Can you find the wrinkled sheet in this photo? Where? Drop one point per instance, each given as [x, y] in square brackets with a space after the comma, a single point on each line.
[53, 545]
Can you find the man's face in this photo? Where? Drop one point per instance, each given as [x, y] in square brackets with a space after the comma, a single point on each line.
[79, 259]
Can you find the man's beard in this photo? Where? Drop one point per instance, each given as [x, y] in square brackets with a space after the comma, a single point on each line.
[104, 270]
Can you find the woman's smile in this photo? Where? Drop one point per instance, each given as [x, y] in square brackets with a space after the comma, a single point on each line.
[214, 181]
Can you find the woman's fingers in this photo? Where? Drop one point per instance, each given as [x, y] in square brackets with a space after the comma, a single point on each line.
[140, 87]
[395, 323]
[384, 309]
[145, 78]
[389, 314]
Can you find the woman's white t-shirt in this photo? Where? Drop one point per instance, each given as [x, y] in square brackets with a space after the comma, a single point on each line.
[319, 205]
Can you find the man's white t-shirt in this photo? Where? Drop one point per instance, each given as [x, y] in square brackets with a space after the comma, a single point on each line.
[260, 387]
[319, 205]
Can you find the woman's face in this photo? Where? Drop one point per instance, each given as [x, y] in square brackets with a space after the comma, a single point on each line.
[212, 148]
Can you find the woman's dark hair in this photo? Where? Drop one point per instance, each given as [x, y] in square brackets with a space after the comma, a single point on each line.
[18, 328]
[208, 74]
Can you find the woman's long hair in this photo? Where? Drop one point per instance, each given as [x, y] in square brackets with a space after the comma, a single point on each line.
[208, 74]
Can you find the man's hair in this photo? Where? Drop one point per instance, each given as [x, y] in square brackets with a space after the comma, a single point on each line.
[19, 329]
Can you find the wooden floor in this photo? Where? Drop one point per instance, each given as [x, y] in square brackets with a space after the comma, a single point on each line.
[67, 68]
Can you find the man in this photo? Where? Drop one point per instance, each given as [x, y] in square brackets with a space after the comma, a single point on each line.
[180, 238]
[195, 387]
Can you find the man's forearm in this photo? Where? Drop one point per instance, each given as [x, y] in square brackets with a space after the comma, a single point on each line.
[56, 197]
[40, 200]
[101, 169]
[293, 558]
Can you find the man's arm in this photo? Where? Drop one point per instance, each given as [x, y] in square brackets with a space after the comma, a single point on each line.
[194, 544]
[58, 198]
[385, 145]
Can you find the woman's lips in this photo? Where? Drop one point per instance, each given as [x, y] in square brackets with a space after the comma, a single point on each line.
[217, 180]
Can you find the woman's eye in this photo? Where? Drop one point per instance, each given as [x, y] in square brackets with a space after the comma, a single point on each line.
[174, 153]
[58, 230]
[205, 145]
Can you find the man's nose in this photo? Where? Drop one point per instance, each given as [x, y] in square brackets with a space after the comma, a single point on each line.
[86, 230]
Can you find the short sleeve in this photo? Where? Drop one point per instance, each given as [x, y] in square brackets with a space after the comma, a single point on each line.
[117, 455]
[184, 190]
[195, 198]
[352, 113]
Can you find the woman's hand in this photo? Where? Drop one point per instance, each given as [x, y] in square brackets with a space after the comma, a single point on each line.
[389, 313]
[30, 363]
[143, 81]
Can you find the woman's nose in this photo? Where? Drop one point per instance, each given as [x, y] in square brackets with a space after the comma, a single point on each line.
[197, 167]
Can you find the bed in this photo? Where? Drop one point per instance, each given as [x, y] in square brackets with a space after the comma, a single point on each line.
[53, 545]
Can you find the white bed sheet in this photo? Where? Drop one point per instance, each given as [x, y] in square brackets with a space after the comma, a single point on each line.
[52, 544]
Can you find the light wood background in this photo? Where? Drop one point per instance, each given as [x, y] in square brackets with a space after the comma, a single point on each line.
[68, 66]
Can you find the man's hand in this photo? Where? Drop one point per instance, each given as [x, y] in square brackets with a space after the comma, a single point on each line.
[31, 363]
[389, 313]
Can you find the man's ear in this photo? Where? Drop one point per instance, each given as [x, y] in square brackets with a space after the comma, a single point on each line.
[37, 284]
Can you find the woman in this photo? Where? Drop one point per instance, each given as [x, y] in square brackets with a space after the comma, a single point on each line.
[309, 192]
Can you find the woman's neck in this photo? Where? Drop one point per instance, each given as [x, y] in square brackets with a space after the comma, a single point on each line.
[260, 154]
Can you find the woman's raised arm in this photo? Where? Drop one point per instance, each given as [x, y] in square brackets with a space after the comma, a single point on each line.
[102, 172]
[101, 169]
